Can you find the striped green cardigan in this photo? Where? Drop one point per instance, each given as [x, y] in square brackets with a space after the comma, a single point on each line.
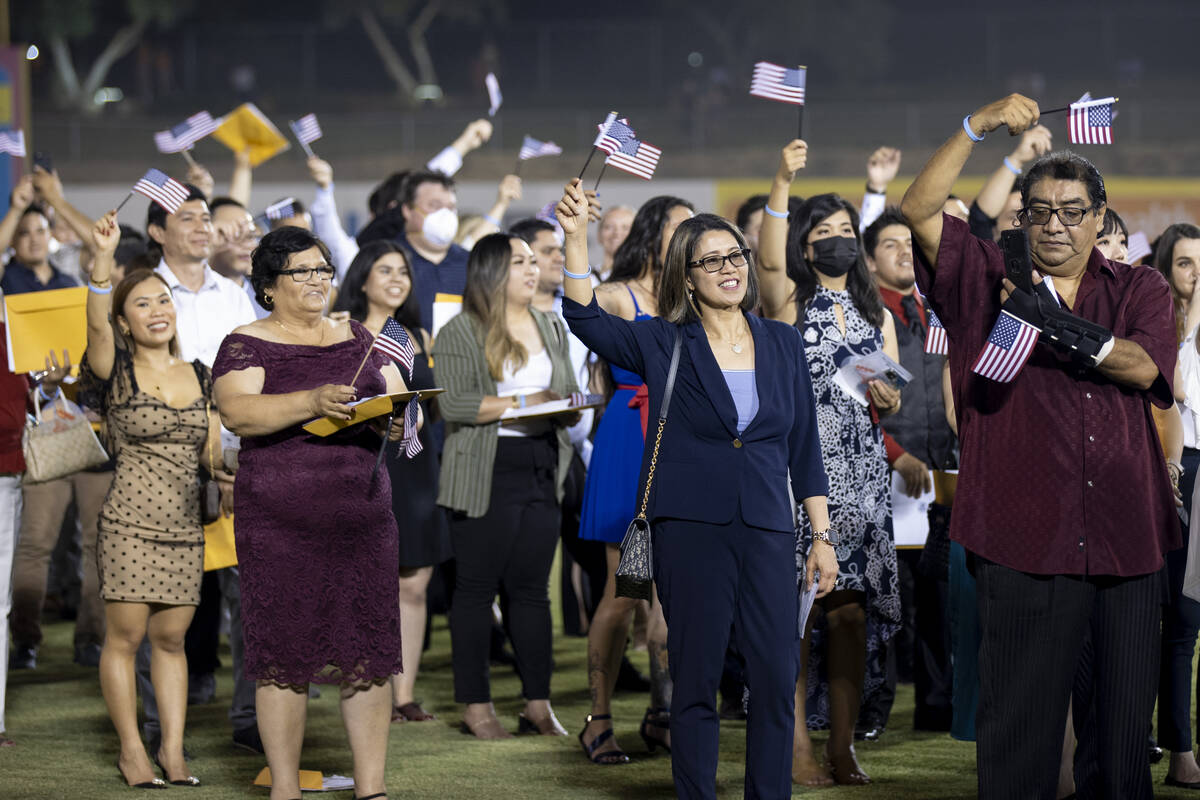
[469, 453]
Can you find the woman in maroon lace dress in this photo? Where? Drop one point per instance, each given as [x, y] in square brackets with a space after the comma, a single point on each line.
[316, 538]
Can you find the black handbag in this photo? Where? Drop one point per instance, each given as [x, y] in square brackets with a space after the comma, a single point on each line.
[635, 573]
[210, 491]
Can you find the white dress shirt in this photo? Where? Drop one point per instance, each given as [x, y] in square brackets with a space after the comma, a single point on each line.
[203, 319]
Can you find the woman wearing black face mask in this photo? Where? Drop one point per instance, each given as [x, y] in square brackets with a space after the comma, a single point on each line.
[813, 275]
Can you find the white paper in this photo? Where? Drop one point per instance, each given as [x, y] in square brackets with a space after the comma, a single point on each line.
[549, 407]
[336, 783]
[443, 312]
[852, 376]
[806, 602]
[910, 516]
[494, 96]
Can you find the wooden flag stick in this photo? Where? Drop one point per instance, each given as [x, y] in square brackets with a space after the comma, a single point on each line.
[188, 158]
[1065, 108]
[589, 161]
[303, 144]
[596, 188]
[126, 200]
[361, 364]
[517, 171]
[800, 123]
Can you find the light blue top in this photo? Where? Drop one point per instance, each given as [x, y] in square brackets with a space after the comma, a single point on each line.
[745, 395]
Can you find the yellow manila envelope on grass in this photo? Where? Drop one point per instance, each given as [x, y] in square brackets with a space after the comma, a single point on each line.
[219, 549]
[246, 129]
[39, 322]
[310, 781]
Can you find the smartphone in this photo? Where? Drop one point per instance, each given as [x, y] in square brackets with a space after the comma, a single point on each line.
[43, 160]
[1018, 267]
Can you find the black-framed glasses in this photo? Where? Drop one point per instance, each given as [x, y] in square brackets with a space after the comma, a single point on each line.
[1069, 216]
[324, 273]
[738, 258]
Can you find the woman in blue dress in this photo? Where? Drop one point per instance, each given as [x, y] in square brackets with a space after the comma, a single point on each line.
[611, 489]
[813, 276]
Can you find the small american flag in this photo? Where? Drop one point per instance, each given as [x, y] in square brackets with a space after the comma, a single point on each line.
[1138, 247]
[162, 189]
[778, 83]
[535, 148]
[13, 143]
[412, 440]
[1091, 121]
[636, 158]
[307, 129]
[393, 342]
[282, 210]
[1008, 347]
[613, 135]
[185, 134]
[936, 343]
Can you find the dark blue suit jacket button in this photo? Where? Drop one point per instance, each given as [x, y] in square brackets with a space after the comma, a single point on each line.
[737, 442]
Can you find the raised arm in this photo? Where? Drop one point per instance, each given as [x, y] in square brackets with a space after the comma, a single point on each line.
[49, 188]
[242, 179]
[775, 287]
[882, 167]
[104, 237]
[509, 190]
[326, 223]
[999, 185]
[572, 214]
[923, 202]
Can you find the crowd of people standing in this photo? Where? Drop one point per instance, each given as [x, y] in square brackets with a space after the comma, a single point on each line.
[719, 350]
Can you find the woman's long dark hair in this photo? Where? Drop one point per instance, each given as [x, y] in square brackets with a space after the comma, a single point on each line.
[674, 303]
[862, 288]
[485, 299]
[643, 245]
[352, 296]
[1164, 257]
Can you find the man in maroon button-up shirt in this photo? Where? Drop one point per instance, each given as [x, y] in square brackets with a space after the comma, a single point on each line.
[1063, 496]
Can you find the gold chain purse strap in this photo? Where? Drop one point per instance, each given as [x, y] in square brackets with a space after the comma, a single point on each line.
[662, 420]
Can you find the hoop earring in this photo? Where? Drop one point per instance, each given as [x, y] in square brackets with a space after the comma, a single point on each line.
[268, 301]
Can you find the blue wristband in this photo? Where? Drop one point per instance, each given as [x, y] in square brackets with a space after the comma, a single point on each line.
[971, 133]
[1013, 168]
[493, 220]
[94, 289]
[49, 398]
[521, 400]
[777, 214]
[578, 276]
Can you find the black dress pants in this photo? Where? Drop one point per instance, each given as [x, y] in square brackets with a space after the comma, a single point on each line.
[1033, 628]
[509, 549]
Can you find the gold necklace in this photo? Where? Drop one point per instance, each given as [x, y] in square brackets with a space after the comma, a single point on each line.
[735, 346]
[295, 335]
[148, 368]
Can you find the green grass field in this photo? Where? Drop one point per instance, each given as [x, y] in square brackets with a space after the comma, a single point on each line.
[66, 746]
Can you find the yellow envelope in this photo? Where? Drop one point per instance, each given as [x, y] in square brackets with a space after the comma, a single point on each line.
[364, 410]
[41, 321]
[310, 780]
[219, 549]
[247, 129]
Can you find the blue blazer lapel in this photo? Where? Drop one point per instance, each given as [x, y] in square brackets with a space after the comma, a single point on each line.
[712, 382]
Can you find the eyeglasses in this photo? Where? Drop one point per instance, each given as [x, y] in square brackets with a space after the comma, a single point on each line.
[1040, 215]
[738, 258]
[324, 273]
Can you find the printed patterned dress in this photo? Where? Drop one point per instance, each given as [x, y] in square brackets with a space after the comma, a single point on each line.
[860, 507]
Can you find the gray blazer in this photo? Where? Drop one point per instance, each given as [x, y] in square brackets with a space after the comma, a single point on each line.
[469, 453]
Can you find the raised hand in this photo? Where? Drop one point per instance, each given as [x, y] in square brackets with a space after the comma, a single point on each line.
[1017, 112]
[47, 186]
[201, 178]
[572, 210]
[23, 193]
[321, 172]
[793, 159]
[510, 189]
[595, 210]
[882, 167]
[1035, 142]
[473, 136]
[55, 373]
[106, 233]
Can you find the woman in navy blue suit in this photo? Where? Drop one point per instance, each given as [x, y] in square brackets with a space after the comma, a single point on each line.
[741, 419]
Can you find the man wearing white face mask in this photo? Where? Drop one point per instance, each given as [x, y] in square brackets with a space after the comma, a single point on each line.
[430, 209]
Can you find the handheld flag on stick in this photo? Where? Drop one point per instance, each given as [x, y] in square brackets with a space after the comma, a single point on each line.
[393, 342]
[936, 342]
[183, 136]
[636, 158]
[281, 210]
[13, 143]
[1091, 121]
[603, 126]
[534, 148]
[784, 84]
[1008, 347]
[160, 188]
[494, 96]
[307, 130]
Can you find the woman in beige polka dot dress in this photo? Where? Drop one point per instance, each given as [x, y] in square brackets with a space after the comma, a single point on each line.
[151, 548]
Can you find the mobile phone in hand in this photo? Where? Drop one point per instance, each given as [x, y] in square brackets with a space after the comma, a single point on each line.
[43, 160]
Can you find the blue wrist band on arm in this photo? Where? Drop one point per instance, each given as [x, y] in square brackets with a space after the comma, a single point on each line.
[1013, 168]
[579, 275]
[493, 220]
[777, 214]
[94, 289]
[971, 133]
[49, 397]
[521, 400]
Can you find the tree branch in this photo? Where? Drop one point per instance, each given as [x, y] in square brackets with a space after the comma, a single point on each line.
[416, 40]
[400, 74]
[64, 66]
[122, 42]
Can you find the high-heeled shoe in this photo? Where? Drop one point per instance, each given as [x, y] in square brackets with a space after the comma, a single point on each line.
[190, 780]
[608, 757]
[154, 783]
[373, 796]
[658, 719]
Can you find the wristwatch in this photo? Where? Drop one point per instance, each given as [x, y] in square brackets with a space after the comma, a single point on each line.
[822, 536]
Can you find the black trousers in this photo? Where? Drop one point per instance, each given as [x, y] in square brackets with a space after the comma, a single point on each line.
[714, 579]
[509, 549]
[1033, 628]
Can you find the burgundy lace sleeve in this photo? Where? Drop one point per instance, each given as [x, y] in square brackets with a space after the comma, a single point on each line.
[237, 352]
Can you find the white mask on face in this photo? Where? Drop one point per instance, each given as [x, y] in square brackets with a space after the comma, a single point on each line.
[440, 226]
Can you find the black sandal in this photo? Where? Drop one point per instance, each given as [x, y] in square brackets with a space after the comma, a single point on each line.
[608, 757]
[373, 796]
[658, 719]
